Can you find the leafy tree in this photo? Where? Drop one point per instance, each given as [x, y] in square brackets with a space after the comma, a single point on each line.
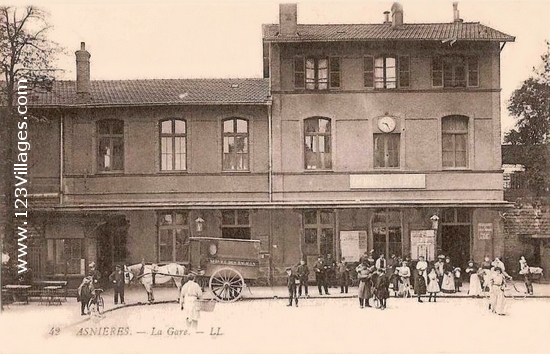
[26, 53]
[530, 106]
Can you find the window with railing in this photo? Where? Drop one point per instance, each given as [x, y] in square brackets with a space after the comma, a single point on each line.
[317, 144]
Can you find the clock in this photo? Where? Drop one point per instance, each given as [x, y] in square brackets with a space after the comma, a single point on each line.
[386, 124]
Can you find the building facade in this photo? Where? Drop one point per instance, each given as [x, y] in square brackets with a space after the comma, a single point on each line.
[381, 137]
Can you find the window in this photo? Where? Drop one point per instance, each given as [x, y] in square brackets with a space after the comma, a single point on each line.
[455, 141]
[455, 71]
[235, 145]
[317, 134]
[385, 75]
[110, 145]
[64, 255]
[317, 73]
[236, 224]
[318, 232]
[173, 237]
[386, 150]
[387, 233]
[456, 216]
[173, 140]
[386, 71]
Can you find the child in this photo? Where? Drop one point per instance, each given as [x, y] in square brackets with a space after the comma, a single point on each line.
[292, 281]
[84, 294]
[433, 285]
[458, 279]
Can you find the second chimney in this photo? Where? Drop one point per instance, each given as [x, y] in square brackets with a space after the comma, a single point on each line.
[288, 20]
[82, 70]
[387, 17]
[456, 13]
[396, 15]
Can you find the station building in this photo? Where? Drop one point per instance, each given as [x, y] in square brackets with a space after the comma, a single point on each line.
[378, 136]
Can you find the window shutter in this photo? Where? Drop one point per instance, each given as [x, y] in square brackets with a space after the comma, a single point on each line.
[437, 72]
[404, 71]
[368, 71]
[299, 72]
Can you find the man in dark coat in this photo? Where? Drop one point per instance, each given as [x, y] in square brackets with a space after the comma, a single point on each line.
[343, 275]
[320, 275]
[291, 282]
[117, 278]
[303, 277]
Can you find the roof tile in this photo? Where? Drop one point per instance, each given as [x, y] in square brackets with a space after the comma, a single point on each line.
[467, 31]
[152, 92]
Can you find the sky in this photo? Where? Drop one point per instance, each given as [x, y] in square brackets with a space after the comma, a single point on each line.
[223, 38]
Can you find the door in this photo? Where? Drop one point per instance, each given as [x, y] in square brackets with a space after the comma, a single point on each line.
[455, 243]
[318, 235]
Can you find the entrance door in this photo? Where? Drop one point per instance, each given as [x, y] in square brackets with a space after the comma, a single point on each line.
[318, 234]
[111, 246]
[455, 243]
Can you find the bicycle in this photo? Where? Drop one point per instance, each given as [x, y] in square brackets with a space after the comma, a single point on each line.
[97, 301]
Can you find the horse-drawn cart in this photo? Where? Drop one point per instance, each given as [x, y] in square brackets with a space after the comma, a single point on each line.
[224, 264]
[220, 264]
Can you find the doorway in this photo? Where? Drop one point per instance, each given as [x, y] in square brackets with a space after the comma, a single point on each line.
[111, 245]
[455, 243]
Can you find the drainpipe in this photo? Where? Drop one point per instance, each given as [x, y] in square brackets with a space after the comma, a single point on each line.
[270, 148]
[61, 158]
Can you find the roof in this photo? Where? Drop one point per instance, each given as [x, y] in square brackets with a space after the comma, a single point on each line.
[460, 31]
[156, 92]
[527, 221]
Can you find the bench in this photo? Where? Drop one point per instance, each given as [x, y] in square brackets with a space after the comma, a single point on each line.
[43, 289]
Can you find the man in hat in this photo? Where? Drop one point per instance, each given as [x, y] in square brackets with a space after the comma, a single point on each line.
[94, 273]
[320, 269]
[291, 282]
[117, 278]
[303, 276]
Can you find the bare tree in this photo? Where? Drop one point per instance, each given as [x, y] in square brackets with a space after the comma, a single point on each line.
[26, 55]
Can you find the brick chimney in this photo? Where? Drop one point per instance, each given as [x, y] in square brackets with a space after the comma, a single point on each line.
[456, 13]
[82, 70]
[396, 15]
[288, 20]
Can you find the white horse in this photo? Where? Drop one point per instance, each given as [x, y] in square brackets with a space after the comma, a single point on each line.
[147, 274]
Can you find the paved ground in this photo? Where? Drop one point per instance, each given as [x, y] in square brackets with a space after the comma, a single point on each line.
[319, 325]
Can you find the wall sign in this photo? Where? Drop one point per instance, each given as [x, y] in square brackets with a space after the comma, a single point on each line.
[423, 244]
[353, 244]
[485, 231]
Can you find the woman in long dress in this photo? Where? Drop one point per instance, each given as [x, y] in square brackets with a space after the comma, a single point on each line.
[485, 273]
[448, 285]
[433, 285]
[498, 283]
[404, 273]
[189, 295]
[475, 285]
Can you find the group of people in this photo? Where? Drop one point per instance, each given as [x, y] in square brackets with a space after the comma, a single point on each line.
[90, 287]
[377, 278]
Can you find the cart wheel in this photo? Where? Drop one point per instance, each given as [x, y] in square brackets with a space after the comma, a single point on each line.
[227, 284]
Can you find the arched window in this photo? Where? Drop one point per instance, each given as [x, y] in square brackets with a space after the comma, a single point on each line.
[454, 131]
[110, 147]
[173, 145]
[317, 144]
[235, 145]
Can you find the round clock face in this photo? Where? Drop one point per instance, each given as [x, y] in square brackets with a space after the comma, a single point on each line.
[386, 124]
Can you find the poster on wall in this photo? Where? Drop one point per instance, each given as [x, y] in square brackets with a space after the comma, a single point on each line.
[353, 244]
[423, 244]
[485, 231]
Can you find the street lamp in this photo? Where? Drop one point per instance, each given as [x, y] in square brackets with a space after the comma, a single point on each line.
[435, 221]
[199, 224]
